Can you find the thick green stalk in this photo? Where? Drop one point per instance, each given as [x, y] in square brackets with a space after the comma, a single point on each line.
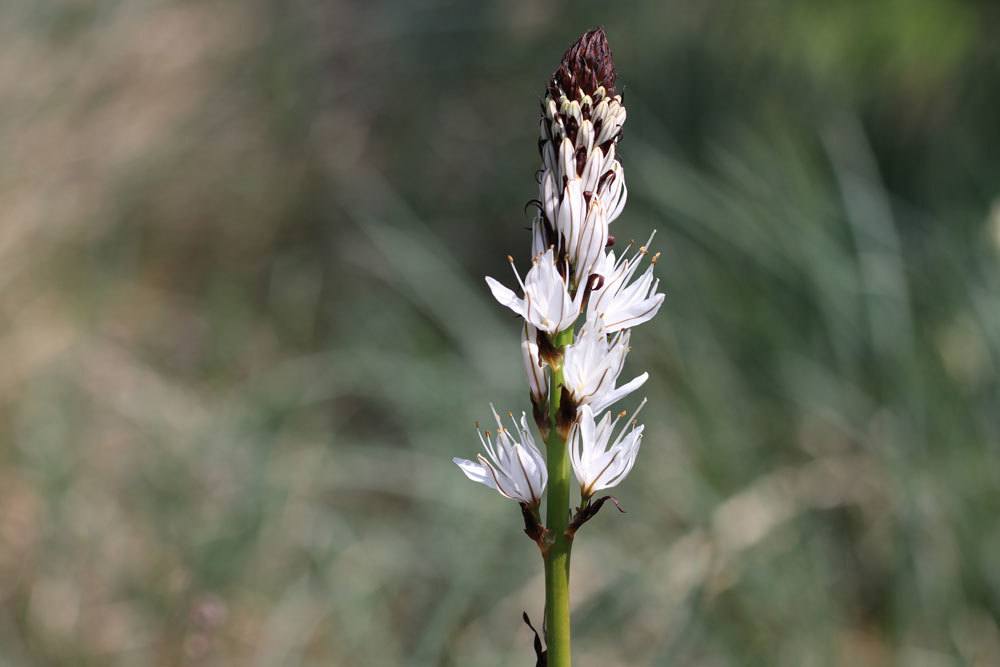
[557, 625]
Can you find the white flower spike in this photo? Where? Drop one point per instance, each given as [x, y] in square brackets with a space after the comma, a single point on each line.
[618, 304]
[514, 467]
[598, 461]
[581, 192]
[591, 367]
[547, 303]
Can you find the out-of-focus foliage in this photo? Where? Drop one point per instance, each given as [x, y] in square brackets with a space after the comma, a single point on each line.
[243, 330]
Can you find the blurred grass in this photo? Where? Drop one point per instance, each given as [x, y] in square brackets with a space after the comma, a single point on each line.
[243, 329]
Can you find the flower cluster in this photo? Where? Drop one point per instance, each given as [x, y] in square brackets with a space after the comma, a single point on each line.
[515, 467]
[578, 300]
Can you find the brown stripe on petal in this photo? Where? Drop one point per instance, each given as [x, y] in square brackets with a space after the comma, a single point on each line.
[581, 160]
[572, 127]
[606, 177]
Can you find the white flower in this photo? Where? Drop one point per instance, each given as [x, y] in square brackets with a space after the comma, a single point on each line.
[598, 462]
[547, 303]
[591, 366]
[534, 367]
[618, 304]
[515, 467]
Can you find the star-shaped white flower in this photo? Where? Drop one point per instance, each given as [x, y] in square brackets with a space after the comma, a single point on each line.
[598, 461]
[592, 364]
[619, 304]
[514, 467]
[547, 303]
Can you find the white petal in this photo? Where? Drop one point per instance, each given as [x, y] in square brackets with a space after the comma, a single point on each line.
[612, 397]
[505, 296]
[585, 136]
[629, 451]
[581, 442]
[635, 314]
[567, 160]
[534, 368]
[537, 236]
[475, 471]
[549, 194]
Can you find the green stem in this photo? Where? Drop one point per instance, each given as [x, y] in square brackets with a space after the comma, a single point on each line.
[557, 626]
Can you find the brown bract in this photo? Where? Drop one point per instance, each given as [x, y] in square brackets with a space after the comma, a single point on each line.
[586, 65]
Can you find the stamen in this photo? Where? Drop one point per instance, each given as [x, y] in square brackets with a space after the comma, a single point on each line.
[643, 249]
[623, 258]
[642, 404]
[517, 426]
[516, 274]
[634, 422]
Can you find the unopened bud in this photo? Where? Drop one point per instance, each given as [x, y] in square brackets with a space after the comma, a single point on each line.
[585, 67]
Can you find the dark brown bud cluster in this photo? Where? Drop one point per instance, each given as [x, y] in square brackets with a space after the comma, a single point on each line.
[581, 185]
[586, 65]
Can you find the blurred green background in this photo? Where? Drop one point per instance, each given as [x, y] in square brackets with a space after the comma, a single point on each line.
[243, 330]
